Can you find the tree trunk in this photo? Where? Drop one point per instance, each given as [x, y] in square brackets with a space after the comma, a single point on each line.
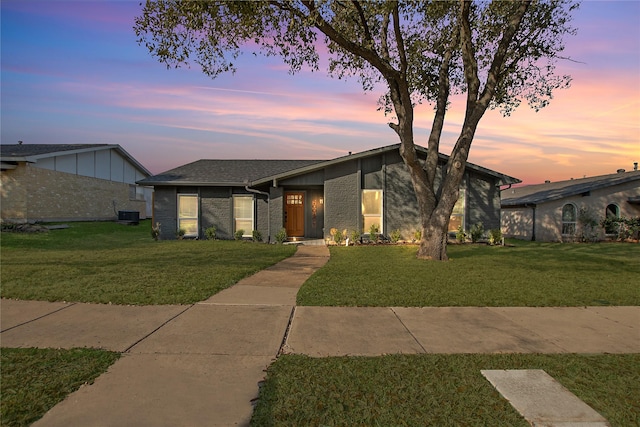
[433, 245]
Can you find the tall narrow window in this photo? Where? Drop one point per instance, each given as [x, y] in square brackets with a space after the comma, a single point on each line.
[569, 219]
[457, 216]
[612, 212]
[372, 209]
[243, 215]
[188, 214]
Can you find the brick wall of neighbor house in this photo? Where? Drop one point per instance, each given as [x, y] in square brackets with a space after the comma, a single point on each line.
[517, 222]
[548, 227]
[13, 195]
[483, 202]
[216, 210]
[60, 196]
[165, 208]
[341, 197]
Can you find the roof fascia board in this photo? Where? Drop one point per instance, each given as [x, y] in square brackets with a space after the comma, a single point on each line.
[137, 164]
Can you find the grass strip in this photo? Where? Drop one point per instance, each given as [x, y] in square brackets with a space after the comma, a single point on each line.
[112, 263]
[526, 274]
[438, 390]
[35, 380]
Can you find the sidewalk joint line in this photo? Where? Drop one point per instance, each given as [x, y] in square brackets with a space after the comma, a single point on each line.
[283, 344]
[128, 349]
[38, 318]
[408, 330]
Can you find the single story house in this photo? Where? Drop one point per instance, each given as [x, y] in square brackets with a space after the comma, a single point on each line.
[71, 182]
[310, 197]
[550, 212]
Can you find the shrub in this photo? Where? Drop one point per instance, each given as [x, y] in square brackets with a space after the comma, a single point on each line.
[495, 236]
[588, 225]
[355, 236]
[417, 235]
[155, 231]
[281, 236]
[256, 236]
[238, 234]
[180, 233]
[374, 229]
[461, 236]
[395, 236]
[337, 235]
[210, 232]
[625, 228]
[477, 230]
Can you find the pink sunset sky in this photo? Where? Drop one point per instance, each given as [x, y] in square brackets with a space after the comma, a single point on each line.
[72, 72]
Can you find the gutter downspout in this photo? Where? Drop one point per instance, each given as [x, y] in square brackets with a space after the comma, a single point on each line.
[264, 193]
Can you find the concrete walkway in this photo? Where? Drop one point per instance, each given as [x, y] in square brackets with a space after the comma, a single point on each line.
[201, 364]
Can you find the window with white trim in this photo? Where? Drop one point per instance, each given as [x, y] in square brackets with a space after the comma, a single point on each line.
[569, 219]
[188, 214]
[372, 209]
[243, 215]
[456, 219]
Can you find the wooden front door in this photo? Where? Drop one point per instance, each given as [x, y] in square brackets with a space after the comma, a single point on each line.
[294, 214]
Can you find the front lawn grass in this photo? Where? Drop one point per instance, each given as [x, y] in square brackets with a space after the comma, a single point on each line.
[106, 262]
[35, 380]
[524, 274]
[434, 390]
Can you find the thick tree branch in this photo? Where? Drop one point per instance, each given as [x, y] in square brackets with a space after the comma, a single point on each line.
[495, 71]
[369, 55]
[384, 37]
[433, 145]
[363, 20]
[468, 56]
[399, 40]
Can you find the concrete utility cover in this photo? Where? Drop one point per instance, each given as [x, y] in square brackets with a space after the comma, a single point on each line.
[543, 401]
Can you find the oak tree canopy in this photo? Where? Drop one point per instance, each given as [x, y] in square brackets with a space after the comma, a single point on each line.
[497, 53]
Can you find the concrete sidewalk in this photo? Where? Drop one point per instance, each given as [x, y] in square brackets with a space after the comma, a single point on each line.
[196, 365]
[371, 331]
[201, 364]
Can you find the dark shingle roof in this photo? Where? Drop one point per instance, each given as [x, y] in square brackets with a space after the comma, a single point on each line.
[539, 193]
[257, 172]
[225, 172]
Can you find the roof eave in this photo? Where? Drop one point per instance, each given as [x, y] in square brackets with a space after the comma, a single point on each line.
[191, 183]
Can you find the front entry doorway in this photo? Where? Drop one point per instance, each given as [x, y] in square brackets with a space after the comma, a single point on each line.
[294, 214]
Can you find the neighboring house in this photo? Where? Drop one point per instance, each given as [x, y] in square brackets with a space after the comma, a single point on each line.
[310, 197]
[71, 182]
[550, 212]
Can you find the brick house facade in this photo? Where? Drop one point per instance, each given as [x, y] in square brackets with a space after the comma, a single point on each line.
[310, 197]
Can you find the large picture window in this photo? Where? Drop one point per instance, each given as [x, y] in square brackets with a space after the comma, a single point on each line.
[243, 214]
[569, 216]
[188, 214]
[372, 209]
[457, 216]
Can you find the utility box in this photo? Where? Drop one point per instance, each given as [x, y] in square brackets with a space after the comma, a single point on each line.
[129, 217]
